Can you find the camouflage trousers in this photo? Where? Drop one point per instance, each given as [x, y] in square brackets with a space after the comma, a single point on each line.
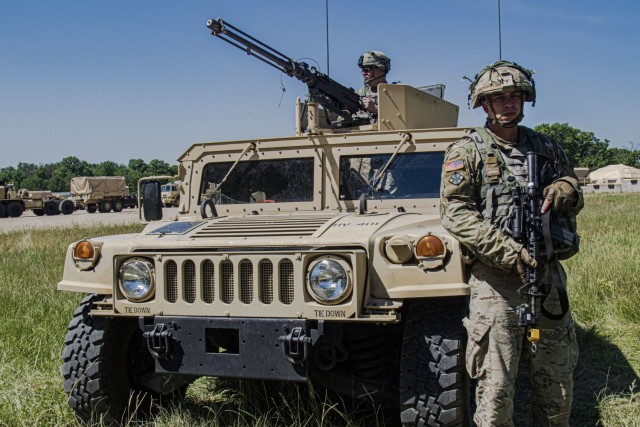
[497, 345]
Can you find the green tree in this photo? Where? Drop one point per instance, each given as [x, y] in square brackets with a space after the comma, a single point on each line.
[583, 148]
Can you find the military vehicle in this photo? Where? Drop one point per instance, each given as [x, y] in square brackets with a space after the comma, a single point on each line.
[316, 257]
[13, 203]
[170, 194]
[101, 193]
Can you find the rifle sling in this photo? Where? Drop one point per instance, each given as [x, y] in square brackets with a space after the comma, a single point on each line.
[556, 277]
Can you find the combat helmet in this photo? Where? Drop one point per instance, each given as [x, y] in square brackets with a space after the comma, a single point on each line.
[375, 58]
[502, 76]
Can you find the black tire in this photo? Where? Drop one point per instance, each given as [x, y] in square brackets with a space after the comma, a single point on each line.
[176, 202]
[66, 207]
[14, 209]
[91, 208]
[51, 208]
[106, 366]
[38, 212]
[105, 206]
[3, 211]
[117, 205]
[434, 385]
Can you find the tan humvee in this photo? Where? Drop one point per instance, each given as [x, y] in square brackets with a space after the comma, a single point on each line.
[319, 256]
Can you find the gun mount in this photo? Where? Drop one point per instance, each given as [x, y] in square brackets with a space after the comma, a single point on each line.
[333, 96]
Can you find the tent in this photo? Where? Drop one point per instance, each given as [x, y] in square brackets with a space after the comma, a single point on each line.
[614, 178]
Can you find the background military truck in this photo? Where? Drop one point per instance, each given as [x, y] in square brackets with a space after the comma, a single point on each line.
[318, 257]
[13, 203]
[170, 194]
[101, 193]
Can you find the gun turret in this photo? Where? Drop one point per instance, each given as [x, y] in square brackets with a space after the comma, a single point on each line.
[333, 96]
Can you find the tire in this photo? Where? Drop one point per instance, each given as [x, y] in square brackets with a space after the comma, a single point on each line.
[117, 205]
[105, 206]
[176, 202]
[3, 211]
[91, 208]
[105, 368]
[14, 209]
[38, 212]
[434, 385]
[51, 208]
[66, 207]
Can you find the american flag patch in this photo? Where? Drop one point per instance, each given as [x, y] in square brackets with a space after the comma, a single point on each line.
[454, 165]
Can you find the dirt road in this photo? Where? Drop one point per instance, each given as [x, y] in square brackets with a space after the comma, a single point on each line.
[29, 220]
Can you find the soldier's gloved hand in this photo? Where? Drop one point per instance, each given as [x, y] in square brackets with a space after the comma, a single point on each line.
[560, 196]
[524, 260]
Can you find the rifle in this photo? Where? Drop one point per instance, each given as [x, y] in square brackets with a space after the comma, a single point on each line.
[333, 96]
[530, 227]
[527, 228]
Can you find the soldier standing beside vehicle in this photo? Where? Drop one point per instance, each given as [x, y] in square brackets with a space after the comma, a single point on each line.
[478, 177]
[375, 65]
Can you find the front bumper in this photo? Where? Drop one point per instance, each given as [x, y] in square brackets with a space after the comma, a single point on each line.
[255, 348]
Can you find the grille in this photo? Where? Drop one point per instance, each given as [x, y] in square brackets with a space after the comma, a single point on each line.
[216, 280]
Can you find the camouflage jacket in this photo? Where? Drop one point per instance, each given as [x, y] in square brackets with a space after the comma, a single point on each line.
[476, 201]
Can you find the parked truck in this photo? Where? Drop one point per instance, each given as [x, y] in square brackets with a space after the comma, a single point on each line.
[13, 203]
[170, 194]
[101, 193]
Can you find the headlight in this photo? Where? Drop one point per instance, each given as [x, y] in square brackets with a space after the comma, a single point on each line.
[137, 281]
[329, 280]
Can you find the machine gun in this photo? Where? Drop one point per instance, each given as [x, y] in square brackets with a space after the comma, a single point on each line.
[333, 96]
[526, 227]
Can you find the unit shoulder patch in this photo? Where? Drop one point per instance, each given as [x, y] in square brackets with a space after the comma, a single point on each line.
[456, 178]
[454, 165]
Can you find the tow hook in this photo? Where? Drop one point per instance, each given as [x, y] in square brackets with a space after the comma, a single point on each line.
[296, 345]
[159, 341]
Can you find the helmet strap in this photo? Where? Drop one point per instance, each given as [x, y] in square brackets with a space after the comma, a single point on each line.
[502, 123]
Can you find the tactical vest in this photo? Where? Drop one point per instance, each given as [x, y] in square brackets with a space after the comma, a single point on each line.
[502, 173]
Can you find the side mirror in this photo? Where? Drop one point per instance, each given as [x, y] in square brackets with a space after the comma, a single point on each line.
[151, 201]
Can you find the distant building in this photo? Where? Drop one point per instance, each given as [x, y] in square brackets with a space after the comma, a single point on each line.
[613, 179]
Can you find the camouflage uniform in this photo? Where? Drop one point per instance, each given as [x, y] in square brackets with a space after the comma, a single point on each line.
[476, 206]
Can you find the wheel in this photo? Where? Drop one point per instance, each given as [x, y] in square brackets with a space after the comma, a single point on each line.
[51, 207]
[105, 206]
[66, 207]
[3, 210]
[14, 209]
[176, 202]
[434, 385]
[38, 212]
[91, 208]
[108, 370]
[117, 205]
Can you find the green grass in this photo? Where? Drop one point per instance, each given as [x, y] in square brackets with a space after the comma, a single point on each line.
[603, 287]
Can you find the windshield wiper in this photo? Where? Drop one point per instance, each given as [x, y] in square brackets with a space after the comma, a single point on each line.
[406, 137]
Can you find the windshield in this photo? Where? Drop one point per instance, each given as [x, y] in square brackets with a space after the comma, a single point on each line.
[264, 181]
[409, 176]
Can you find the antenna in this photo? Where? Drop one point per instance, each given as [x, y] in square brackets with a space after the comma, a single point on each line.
[326, 9]
[499, 33]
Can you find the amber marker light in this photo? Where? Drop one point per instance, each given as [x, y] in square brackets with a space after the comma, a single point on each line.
[430, 246]
[84, 251]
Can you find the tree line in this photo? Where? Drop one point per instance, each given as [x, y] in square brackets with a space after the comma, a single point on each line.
[56, 177]
[583, 148]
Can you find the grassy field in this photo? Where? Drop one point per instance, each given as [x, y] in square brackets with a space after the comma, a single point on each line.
[603, 287]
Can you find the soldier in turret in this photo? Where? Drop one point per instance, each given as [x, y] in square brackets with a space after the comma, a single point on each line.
[375, 65]
[479, 175]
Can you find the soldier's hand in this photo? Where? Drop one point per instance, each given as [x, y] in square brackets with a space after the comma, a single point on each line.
[369, 104]
[524, 260]
[560, 196]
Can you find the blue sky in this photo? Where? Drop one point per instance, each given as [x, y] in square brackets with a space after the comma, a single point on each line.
[115, 80]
